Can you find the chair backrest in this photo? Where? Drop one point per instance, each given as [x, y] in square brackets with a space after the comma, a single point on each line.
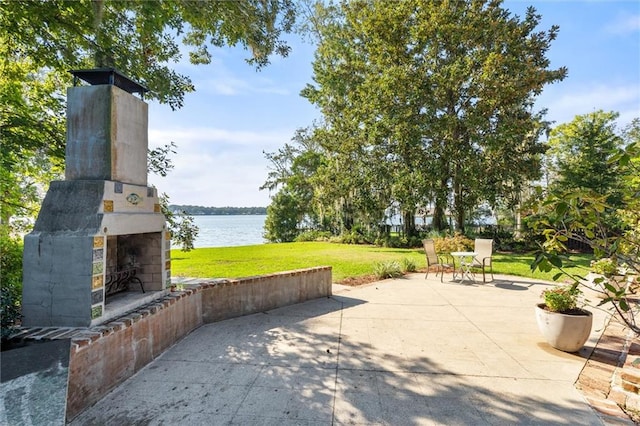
[484, 248]
[430, 251]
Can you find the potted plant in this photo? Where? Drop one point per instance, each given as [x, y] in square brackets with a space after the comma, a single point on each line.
[564, 325]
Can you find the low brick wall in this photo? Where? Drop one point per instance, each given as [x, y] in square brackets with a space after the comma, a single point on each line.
[626, 382]
[234, 298]
[104, 356]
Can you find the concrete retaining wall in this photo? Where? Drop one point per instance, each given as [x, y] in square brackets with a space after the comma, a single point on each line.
[104, 356]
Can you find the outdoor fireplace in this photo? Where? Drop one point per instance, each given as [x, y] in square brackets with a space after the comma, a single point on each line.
[100, 236]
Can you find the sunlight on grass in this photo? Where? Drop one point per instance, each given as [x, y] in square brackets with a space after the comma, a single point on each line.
[519, 264]
[346, 260]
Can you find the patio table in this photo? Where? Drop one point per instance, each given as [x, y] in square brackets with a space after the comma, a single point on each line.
[465, 262]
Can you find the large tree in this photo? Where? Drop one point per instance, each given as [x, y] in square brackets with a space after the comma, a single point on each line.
[433, 98]
[580, 153]
[581, 158]
[142, 38]
[41, 40]
[291, 170]
[31, 133]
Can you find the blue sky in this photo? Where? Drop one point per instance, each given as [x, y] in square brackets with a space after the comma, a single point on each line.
[237, 113]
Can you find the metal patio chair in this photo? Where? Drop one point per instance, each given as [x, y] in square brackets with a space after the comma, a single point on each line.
[483, 260]
[440, 262]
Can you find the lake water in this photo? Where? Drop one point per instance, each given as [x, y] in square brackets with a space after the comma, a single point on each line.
[227, 231]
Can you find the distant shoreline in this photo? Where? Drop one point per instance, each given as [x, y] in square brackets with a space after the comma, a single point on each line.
[230, 214]
[216, 211]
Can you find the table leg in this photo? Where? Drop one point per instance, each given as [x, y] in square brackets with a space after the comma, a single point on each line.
[464, 269]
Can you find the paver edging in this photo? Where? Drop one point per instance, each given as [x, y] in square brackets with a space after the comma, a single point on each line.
[607, 380]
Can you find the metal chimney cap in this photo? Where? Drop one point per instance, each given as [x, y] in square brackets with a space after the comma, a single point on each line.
[108, 76]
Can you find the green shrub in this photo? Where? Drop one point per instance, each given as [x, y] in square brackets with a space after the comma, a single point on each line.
[606, 266]
[380, 242]
[408, 265]
[389, 241]
[281, 224]
[354, 237]
[313, 235]
[517, 246]
[433, 234]
[395, 241]
[561, 298]
[414, 242]
[10, 283]
[456, 243]
[183, 231]
[389, 269]
[505, 240]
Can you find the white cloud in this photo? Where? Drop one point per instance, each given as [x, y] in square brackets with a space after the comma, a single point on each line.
[600, 96]
[226, 180]
[198, 138]
[219, 79]
[217, 167]
[273, 90]
[230, 86]
[624, 24]
[583, 99]
[226, 86]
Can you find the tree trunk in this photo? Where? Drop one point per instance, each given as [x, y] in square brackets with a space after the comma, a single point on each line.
[347, 216]
[409, 223]
[460, 221]
[439, 212]
[439, 219]
[459, 206]
[518, 231]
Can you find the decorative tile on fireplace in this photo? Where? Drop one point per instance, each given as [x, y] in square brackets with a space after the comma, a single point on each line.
[96, 311]
[97, 296]
[98, 242]
[134, 198]
[98, 255]
[97, 281]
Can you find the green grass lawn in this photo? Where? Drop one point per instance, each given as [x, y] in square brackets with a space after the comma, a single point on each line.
[346, 260]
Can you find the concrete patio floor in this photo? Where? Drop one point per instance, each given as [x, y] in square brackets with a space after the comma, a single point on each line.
[406, 351]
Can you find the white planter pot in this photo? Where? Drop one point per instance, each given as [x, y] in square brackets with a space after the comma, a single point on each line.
[564, 332]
